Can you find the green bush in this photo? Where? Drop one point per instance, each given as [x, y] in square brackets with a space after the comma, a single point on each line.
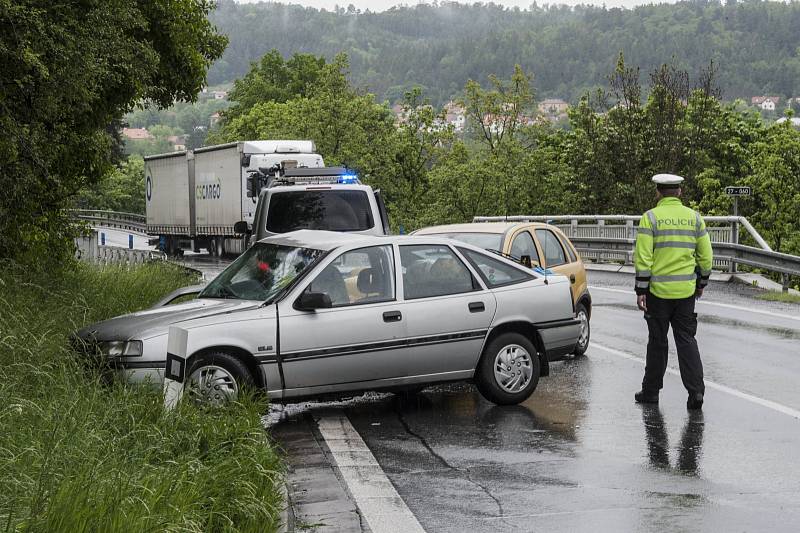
[80, 455]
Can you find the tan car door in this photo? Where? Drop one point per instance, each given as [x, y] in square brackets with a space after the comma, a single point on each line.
[556, 258]
[522, 243]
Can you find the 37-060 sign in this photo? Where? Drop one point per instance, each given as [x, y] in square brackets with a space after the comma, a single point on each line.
[739, 191]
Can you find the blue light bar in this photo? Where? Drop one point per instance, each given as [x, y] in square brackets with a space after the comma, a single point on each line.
[348, 179]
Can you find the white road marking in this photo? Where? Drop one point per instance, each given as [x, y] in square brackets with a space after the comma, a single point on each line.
[704, 302]
[794, 413]
[375, 496]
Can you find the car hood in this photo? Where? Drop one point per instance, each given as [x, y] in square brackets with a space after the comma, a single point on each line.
[156, 321]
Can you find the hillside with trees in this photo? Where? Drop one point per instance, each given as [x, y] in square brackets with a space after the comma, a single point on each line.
[569, 50]
[619, 136]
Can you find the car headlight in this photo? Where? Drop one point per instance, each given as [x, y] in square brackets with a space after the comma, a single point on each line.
[121, 348]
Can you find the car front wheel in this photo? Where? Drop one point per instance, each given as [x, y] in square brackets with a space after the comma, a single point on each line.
[216, 379]
[508, 370]
[582, 314]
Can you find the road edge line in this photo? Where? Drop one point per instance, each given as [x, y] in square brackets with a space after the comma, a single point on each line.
[775, 406]
[373, 493]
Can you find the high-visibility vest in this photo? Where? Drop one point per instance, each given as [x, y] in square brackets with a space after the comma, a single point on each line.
[673, 253]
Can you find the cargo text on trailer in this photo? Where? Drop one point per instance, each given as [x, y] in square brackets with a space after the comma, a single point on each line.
[194, 198]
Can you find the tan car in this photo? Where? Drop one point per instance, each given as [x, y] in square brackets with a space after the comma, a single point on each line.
[537, 244]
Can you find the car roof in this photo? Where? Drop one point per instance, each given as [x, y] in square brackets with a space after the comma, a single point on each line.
[329, 240]
[479, 227]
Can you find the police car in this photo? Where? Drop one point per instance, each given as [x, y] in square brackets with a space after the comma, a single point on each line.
[323, 198]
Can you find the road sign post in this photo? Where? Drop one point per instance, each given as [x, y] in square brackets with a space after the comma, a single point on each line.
[736, 192]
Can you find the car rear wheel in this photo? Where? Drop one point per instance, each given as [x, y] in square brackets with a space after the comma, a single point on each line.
[508, 370]
[582, 314]
[216, 379]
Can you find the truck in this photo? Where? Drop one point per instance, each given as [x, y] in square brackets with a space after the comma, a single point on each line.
[318, 198]
[194, 198]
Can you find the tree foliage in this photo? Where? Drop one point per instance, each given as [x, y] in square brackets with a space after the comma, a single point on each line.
[504, 165]
[67, 71]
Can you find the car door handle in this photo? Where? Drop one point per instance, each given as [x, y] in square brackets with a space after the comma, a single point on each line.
[476, 307]
[392, 316]
[572, 278]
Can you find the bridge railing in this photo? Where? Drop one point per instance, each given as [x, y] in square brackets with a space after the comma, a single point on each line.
[90, 251]
[612, 238]
[112, 219]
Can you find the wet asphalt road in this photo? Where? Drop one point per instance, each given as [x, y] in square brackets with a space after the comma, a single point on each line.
[580, 455]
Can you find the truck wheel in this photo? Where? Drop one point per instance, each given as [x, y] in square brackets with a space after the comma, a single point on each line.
[582, 314]
[508, 370]
[217, 378]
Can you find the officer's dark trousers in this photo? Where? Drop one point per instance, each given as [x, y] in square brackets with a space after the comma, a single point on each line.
[662, 313]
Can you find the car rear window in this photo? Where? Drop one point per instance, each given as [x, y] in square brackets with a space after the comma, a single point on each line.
[330, 210]
[487, 241]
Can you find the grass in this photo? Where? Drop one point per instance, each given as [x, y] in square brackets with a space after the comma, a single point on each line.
[80, 455]
[775, 296]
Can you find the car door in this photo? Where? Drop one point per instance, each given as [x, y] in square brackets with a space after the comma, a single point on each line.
[359, 338]
[521, 244]
[446, 309]
[556, 258]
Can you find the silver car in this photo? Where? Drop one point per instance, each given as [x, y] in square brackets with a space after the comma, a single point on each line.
[316, 312]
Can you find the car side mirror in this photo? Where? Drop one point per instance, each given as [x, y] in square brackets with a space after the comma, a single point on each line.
[241, 228]
[311, 301]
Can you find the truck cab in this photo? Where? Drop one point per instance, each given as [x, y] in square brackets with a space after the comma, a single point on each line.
[326, 198]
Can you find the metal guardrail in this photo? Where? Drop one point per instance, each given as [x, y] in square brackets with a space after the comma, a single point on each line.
[595, 239]
[112, 219]
[87, 249]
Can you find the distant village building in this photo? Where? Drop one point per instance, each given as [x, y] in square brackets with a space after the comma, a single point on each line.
[219, 95]
[455, 115]
[766, 103]
[178, 142]
[400, 114]
[794, 121]
[137, 134]
[553, 106]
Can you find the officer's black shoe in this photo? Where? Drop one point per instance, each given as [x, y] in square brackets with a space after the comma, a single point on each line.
[644, 397]
[695, 401]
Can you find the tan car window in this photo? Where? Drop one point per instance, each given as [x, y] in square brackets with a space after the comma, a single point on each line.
[570, 251]
[553, 252]
[523, 245]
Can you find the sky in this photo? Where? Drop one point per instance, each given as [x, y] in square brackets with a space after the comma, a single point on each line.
[381, 5]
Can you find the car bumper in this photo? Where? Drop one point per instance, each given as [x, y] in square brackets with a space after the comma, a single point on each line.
[559, 338]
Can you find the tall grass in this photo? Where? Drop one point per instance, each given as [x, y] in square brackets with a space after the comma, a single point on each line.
[80, 455]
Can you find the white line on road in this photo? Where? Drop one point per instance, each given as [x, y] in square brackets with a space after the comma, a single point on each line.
[704, 302]
[711, 385]
[373, 493]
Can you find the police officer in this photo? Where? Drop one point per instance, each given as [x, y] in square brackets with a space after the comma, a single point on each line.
[673, 262]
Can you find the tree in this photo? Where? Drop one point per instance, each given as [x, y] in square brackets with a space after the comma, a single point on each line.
[272, 79]
[66, 72]
[496, 112]
[775, 177]
[122, 189]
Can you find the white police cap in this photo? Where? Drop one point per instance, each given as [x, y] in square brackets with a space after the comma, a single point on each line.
[667, 180]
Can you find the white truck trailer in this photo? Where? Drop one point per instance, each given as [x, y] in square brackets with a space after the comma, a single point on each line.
[194, 197]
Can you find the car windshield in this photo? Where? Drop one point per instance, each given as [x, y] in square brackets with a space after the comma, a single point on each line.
[332, 210]
[261, 272]
[487, 241]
